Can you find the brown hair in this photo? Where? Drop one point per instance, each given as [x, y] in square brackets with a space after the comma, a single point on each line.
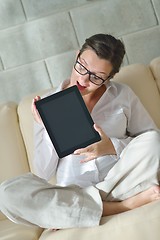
[106, 47]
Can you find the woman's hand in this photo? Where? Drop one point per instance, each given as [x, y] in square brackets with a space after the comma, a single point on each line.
[103, 147]
[35, 113]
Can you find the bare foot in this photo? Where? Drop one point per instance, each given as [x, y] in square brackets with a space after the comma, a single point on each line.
[150, 195]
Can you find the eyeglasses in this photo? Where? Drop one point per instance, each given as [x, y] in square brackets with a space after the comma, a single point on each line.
[92, 77]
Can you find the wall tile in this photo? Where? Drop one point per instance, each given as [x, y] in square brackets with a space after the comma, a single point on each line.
[143, 46]
[1, 64]
[116, 17]
[37, 40]
[40, 8]
[11, 13]
[60, 66]
[23, 80]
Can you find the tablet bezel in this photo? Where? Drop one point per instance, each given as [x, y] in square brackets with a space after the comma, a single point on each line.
[40, 104]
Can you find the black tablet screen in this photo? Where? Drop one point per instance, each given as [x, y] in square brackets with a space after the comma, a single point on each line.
[67, 121]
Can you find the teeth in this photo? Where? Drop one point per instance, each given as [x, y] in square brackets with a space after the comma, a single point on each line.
[80, 85]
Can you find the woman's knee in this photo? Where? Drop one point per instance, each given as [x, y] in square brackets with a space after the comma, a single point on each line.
[155, 135]
[149, 140]
[154, 141]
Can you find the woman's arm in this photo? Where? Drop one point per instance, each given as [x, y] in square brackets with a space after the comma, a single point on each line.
[45, 157]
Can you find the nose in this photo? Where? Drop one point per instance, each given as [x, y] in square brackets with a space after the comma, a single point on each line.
[84, 79]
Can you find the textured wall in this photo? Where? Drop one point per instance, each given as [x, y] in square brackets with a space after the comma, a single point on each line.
[39, 38]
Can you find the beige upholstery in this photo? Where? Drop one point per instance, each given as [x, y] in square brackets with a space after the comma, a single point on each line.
[16, 155]
[155, 68]
[140, 79]
[9, 230]
[139, 224]
[12, 150]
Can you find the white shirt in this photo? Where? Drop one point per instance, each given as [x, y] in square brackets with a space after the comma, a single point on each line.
[121, 116]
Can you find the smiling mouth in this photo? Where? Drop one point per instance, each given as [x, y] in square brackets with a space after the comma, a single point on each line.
[80, 87]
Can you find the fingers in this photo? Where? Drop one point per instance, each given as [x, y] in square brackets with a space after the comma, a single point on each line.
[87, 156]
[87, 159]
[89, 153]
[100, 148]
[80, 151]
[86, 150]
[33, 106]
[35, 100]
[35, 113]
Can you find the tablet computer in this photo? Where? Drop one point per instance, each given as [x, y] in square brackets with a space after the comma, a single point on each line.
[67, 121]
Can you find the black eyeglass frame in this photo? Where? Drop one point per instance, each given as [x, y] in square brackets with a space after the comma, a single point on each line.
[90, 73]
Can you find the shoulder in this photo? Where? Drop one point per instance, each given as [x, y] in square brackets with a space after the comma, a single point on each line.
[118, 85]
[116, 88]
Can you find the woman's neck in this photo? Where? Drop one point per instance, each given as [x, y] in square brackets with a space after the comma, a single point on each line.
[92, 98]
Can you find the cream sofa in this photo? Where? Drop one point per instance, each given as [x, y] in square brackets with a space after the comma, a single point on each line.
[16, 154]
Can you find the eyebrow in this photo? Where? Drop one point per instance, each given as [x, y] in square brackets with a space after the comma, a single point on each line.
[91, 71]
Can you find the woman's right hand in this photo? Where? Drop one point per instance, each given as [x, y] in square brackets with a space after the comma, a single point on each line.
[35, 113]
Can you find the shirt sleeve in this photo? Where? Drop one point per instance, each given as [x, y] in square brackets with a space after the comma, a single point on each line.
[120, 144]
[45, 156]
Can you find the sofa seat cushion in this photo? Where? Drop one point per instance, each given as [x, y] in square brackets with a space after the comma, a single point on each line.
[10, 230]
[137, 224]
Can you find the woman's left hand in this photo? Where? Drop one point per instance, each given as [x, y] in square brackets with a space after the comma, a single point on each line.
[101, 148]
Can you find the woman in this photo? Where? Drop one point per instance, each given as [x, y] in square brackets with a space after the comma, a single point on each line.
[116, 174]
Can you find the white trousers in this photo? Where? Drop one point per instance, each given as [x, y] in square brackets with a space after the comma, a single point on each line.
[30, 200]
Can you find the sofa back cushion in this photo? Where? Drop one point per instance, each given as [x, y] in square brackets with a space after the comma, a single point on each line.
[155, 68]
[142, 81]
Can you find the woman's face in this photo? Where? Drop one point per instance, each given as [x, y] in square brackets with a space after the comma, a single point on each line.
[100, 67]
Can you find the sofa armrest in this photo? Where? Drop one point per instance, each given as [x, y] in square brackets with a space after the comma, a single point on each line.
[155, 68]
[12, 149]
